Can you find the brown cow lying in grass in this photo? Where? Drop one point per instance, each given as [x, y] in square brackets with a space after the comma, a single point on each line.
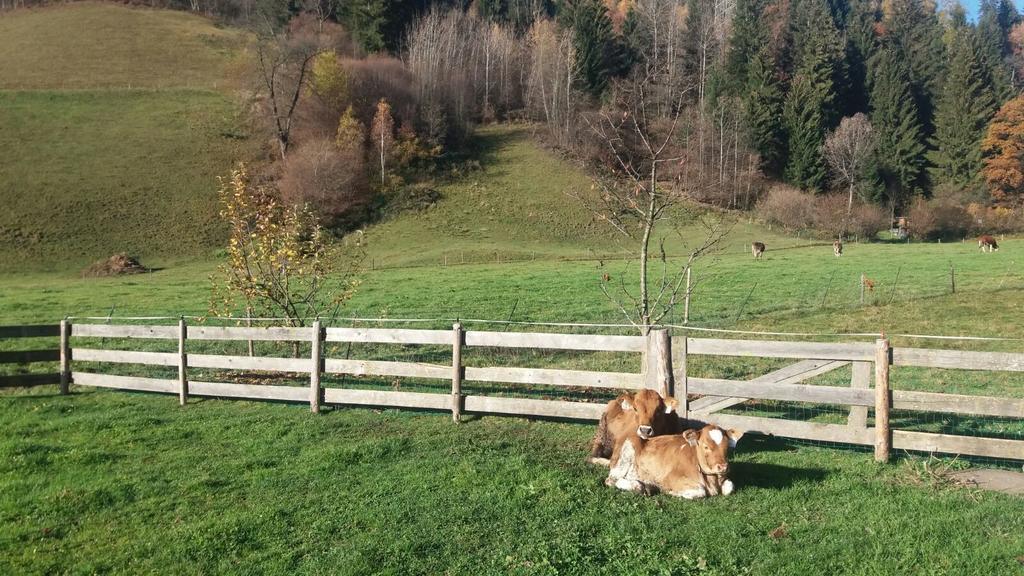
[643, 415]
[690, 465]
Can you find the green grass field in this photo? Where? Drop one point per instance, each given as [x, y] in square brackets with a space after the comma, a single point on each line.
[114, 482]
[92, 173]
[113, 135]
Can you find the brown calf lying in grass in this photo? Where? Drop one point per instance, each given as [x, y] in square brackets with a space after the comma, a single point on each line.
[689, 465]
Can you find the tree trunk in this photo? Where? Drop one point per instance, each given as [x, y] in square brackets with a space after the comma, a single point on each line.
[649, 220]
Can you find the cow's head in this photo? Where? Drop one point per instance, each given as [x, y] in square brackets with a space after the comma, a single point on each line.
[712, 444]
[650, 410]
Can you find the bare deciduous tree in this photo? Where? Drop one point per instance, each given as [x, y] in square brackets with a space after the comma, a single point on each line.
[319, 174]
[636, 201]
[323, 10]
[465, 67]
[552, 78]
[284, 59]
[848, 149]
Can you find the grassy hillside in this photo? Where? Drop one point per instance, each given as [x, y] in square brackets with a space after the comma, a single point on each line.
[521, 204]
[91, 173]
[86, 45]
[102, 168]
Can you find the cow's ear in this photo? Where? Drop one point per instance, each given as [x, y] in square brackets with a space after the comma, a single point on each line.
[626, 405]
[691, 436]
[734, 436]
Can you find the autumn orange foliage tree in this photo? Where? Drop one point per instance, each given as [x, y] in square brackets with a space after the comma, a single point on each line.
[1003, 148]
[279, 262]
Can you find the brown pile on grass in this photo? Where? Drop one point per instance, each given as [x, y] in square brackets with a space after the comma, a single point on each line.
[116, 265]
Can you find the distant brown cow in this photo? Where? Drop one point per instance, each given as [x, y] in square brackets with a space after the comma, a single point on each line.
[837, 248]
[988, 243]
[642, 415]
[757, 248]
[690, 465]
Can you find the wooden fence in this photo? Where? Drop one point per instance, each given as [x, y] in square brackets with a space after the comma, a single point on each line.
[663, 366]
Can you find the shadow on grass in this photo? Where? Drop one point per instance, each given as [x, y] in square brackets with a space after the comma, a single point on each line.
[772, 476]
[757, 443]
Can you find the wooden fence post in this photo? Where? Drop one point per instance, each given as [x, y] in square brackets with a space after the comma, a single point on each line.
[659, 362]
[862, 288]
[679, 377]
[315, 391]
[182, 362]
[952, 280]
[65, 356]
[457, 337]
[883, 400]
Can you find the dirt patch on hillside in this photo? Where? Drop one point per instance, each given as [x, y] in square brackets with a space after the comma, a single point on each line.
[116, 265]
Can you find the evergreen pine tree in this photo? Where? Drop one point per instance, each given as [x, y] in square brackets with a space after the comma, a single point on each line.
[598, 53]
[367, 20]
[635, 39]
[913, 31]
[861, 45]
[805, 167]
[991, 44]
[900, 142]
[763, 107]
[963, 110]
[819, 55]
[747, 38]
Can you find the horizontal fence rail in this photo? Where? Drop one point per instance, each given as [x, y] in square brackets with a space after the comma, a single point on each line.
[662, 369]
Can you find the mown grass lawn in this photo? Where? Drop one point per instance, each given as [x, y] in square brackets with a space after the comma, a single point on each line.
[106, 481]
[117, 482]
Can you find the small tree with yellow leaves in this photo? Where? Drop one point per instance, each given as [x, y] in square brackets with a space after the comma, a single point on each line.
[279, 262]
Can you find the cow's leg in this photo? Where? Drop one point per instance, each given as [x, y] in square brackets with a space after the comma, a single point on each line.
[690, 493]
[623, 469]
[727, 487]
[599, 452]
[629, 485]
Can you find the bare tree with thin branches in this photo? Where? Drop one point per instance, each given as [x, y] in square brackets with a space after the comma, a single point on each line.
[284, 58]
[848, 149]
[636, 202]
